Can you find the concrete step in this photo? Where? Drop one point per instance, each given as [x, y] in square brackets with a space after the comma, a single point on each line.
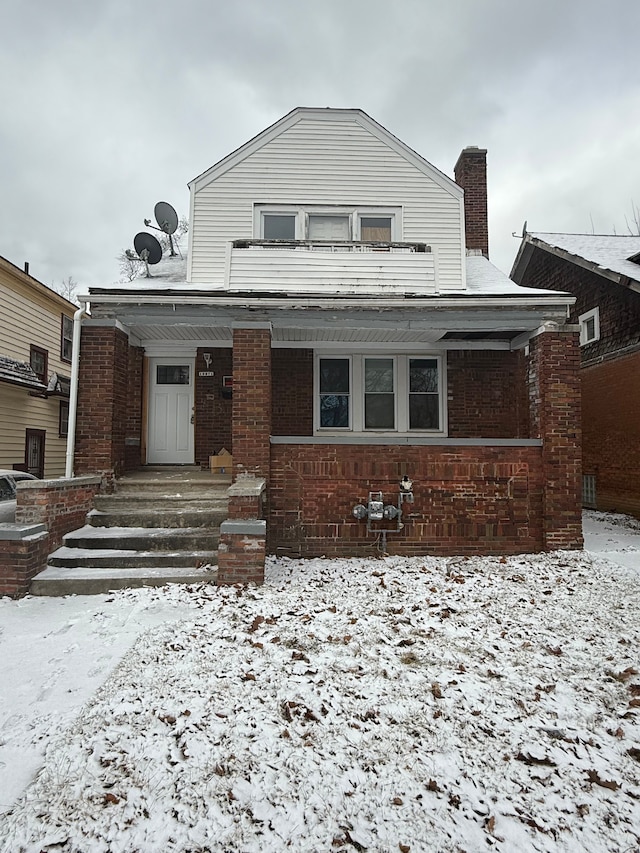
[154, 516]
[136, 500]
[90, 558]
[56, 580]
[187, 539]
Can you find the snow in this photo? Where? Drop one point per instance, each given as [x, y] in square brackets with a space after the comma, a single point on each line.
[608, 251]
[382, 704]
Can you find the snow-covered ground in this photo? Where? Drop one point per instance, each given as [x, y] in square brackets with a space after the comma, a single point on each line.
[383, 705]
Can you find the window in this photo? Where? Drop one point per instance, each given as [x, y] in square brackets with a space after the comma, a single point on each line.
[63, 419]
[379, 394]
[375, 229]
[66, 344]
[383, 393]
[172, 374]
[308, 222]
[279, 226]
[589, 326]
[39, 361]
[589, 490]
[424, 395]
[334, 386]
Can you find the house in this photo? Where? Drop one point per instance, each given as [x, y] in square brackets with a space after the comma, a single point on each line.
[603, 273]
[339, 328]
[35, 362]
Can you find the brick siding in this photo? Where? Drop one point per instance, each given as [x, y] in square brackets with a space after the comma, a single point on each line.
[471, 174]
[610, 377]
[251, 401]
[212, 409]
[292, 392]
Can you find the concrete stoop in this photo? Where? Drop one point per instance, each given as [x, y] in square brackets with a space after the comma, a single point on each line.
[161, 525]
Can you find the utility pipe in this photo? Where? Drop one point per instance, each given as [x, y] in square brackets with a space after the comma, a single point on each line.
[73, 391]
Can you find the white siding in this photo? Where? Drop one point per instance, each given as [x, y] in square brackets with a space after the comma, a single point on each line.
[301, 271]
[325, 162]
[30, 316]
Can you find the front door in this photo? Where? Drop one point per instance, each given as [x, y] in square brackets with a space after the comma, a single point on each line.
[170, 439]
[34, 451]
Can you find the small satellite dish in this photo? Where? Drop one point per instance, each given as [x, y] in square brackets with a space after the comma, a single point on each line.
[147, 247]
[166, 217]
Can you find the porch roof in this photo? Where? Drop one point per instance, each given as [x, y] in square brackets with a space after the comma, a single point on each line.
[492, 312]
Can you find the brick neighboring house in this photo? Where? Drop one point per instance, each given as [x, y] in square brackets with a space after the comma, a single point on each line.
[35, 366]
[603, 273]
[340, 284]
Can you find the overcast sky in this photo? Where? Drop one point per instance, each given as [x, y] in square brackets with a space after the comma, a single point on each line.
[108, 107]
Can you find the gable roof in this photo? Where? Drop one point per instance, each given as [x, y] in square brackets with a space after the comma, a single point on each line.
[325, 114]
[607, 255]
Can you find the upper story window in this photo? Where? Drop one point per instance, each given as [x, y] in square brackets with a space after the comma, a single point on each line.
[379, 393]
[589, 326]
[39, 361]
[66, 338]
[284, 222]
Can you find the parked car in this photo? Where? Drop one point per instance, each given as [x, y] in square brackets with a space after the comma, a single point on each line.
[8, 480]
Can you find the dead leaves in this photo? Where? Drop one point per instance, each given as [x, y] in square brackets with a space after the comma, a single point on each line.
[595, 779]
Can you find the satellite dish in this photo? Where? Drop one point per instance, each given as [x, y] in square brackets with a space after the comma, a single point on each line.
[166, 217]
[147, 248]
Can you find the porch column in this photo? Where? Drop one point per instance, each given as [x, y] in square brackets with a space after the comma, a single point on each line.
[554, 397]
[251, 428]
[105, 399]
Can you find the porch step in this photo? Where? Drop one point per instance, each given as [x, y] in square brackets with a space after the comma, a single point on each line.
[160, 525]
[155, 539]
[159, 514]
[56, 580]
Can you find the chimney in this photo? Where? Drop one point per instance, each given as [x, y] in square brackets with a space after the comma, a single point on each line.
[471, 174]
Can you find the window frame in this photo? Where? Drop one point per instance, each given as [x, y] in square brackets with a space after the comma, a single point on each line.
[354, 213]
[66, 338]
[583, 319]
[63, 420]
[34, 349]
[401, 374]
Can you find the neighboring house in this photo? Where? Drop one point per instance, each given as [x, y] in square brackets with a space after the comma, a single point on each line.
[35, 366]
[338, 327]
[603, 273]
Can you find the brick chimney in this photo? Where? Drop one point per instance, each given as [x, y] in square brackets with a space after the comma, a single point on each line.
[471, 174]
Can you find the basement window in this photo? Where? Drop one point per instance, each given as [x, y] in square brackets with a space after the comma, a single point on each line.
[589, 490]
[589, 326]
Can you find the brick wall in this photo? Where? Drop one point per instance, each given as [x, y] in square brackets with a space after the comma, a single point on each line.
[554, 385]
[487, 395]
[251, 401]
[610, 381]
[611, 442]
[292, 392]
[619, 307]
[21, 559]
[471, 174]
[212, 410]
[61, 505]
[468, 500]
[133, 439]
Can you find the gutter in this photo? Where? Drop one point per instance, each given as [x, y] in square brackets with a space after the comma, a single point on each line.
[73, 391]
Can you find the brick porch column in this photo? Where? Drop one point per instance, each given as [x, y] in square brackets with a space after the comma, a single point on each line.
[554, 396]
[251, 429]
[104, 400]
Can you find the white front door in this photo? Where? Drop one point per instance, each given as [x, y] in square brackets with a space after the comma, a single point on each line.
[170, 439]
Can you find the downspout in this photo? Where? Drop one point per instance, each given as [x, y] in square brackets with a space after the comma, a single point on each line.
[73, 391]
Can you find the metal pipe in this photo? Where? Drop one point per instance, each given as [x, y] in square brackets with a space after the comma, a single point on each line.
[73, 392]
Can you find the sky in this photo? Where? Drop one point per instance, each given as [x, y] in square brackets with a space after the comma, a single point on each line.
[110, 107]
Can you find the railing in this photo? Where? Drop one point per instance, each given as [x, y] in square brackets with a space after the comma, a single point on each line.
[314, 266]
